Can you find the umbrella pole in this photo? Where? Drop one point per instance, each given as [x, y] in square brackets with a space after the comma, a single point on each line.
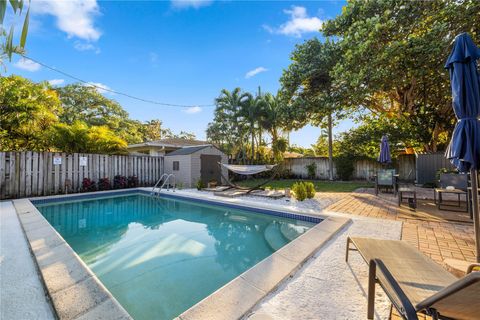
[475, 212]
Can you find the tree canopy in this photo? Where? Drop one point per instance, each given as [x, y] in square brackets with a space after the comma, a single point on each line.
[306, 83]
[27, 112]
[392, 62]
[74, 118]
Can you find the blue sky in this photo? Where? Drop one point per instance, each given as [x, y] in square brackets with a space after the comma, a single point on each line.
[180, 52]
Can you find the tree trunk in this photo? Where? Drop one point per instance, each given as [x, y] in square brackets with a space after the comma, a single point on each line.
[330, 148]
[253, 143]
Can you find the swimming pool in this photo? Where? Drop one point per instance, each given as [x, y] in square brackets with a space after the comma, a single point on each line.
[160, 256]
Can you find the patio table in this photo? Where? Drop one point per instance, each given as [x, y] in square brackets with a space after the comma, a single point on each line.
[407, 193]
[458, 192]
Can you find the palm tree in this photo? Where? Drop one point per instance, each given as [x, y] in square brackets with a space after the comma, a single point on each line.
[252, 112]
[272, 122]
[230, 111]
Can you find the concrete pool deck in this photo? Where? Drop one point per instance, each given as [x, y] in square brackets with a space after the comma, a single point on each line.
[22, 294]
[258, 283]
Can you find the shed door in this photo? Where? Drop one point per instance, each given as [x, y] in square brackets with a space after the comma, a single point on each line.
[210, 170]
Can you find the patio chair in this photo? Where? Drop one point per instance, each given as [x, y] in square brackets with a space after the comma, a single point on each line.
[385, 179]
[414, 283]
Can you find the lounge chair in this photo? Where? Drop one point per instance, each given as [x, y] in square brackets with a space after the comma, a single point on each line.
[386, 179]
[415, 283]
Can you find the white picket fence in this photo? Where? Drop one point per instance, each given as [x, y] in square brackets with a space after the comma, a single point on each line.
[27, 173]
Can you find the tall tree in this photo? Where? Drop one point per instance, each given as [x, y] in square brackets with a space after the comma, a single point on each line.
[229, 126]
[307, 87]
[79, 137]
[272, 121]
[86, 104]
[251, 111]
[153, 130]
[393, 59]
[27, 112]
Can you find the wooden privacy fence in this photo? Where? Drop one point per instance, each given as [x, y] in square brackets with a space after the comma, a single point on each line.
[27, 173]
[364, 169]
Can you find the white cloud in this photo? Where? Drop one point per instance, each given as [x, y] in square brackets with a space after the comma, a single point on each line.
[192, 110]
[101, 88]
[85, 46]
[56, 82]
[298, 24]
[254, 72]
[28, 65]
[185, 4]
[74, 17]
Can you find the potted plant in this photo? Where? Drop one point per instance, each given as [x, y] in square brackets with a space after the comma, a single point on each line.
[212, 183]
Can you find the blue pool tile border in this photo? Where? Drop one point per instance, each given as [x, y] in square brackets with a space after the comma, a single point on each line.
[165, 195]
[254, 209]
[86, 196]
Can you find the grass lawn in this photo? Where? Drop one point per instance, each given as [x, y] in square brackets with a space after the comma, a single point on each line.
[320, 185]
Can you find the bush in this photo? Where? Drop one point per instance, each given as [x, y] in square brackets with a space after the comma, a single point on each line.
[200, 184]
[104, 184]
[310, 189]
[299, 190]
[344, 165]
[132, 182]
[311, 170]
[119, 182]
[88, 185]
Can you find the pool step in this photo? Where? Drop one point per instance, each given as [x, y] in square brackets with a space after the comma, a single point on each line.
[291, 231]
[274, 236]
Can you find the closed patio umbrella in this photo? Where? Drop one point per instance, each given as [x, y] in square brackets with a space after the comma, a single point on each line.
[384, 156]
[464, 148]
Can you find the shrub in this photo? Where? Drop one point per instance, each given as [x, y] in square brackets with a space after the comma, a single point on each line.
[132, 182]
[104, 184]
[311, 170]
[299, 190]
[88, 185]
[310, 189]
[344, 165]
[119, 182]
[200, 184]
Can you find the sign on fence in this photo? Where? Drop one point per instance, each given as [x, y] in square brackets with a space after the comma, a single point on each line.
[57, 160]
[83, 161]
[27, 173]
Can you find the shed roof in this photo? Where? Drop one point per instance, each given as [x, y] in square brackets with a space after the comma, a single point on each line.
[187, 150]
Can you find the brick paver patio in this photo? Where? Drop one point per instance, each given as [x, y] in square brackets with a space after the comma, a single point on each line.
[436, 237]
[432, 234]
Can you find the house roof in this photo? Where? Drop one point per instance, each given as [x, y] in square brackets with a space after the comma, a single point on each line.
[170, 142]
[187, 150]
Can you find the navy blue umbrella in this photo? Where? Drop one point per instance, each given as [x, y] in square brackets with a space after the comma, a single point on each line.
[464, 148]
[384, 156]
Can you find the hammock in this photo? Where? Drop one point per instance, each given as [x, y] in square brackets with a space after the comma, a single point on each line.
[247, 170]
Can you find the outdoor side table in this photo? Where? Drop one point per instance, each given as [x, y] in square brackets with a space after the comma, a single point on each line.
[407, 193]
[448, 207]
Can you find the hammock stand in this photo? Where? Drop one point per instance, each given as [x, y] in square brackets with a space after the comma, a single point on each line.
[248, 170]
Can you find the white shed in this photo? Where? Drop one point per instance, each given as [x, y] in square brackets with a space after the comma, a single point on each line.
[190, 164]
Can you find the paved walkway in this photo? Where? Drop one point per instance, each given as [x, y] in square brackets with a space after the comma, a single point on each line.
[22, 295]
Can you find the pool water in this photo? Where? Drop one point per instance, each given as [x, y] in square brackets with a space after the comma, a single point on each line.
[160, 256]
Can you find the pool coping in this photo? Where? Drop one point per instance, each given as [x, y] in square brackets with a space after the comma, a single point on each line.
[77, 293]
